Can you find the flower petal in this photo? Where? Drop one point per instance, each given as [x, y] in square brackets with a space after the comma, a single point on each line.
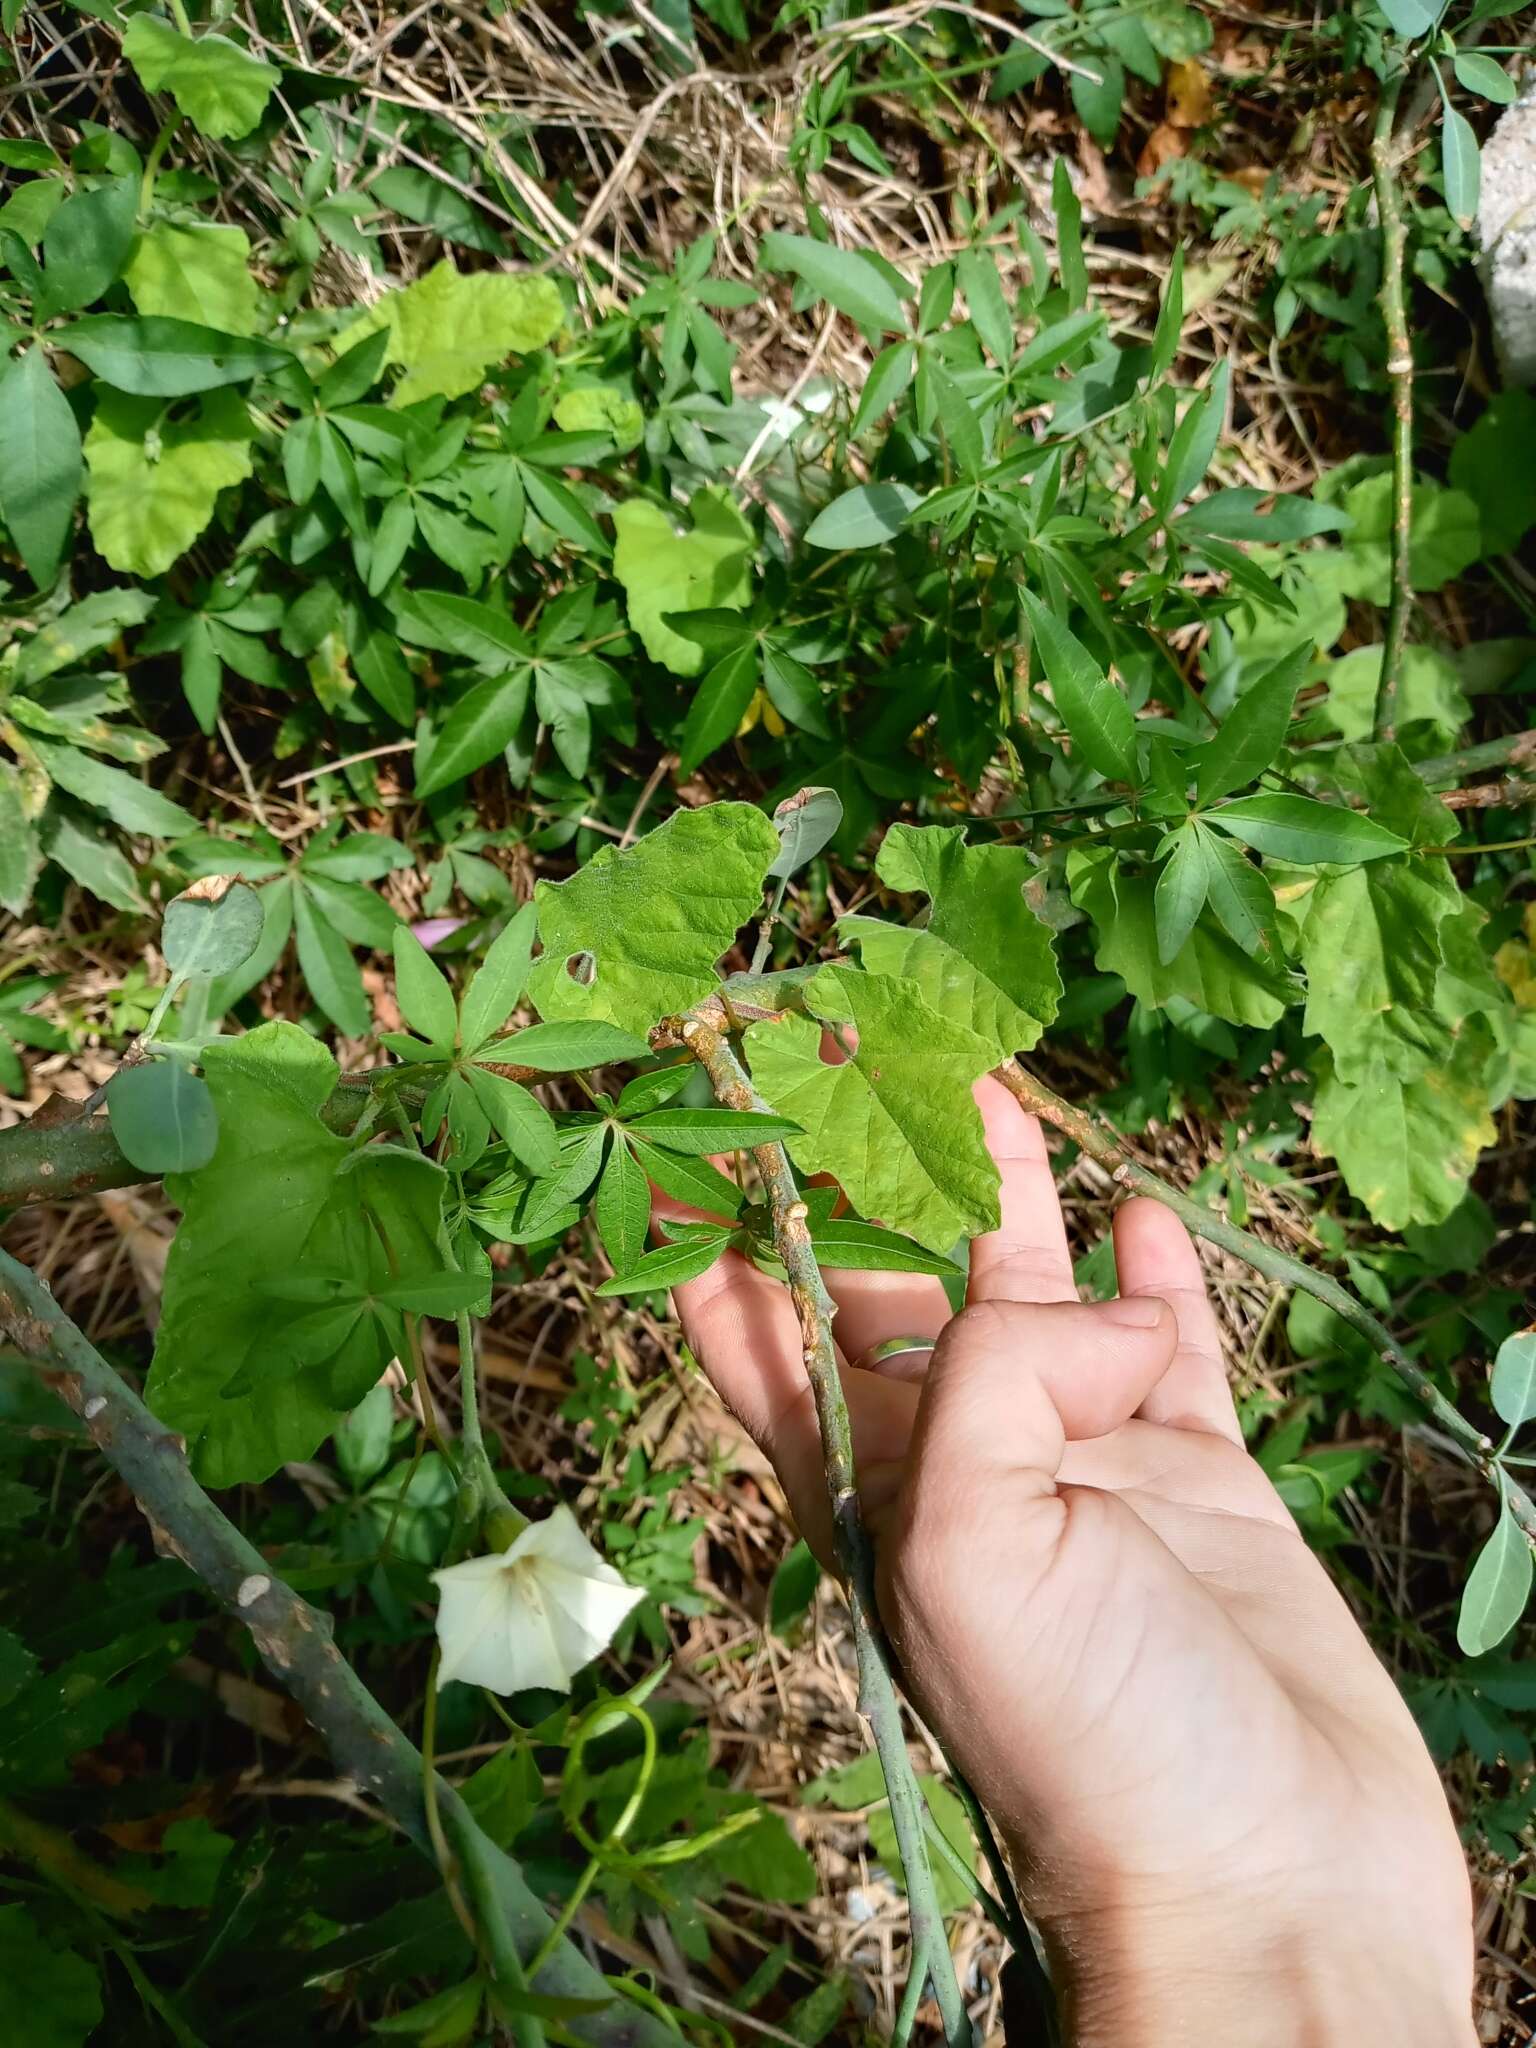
[586, 1612]
[471, 1633]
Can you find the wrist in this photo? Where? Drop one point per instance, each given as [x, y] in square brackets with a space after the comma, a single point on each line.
[1307, 1974]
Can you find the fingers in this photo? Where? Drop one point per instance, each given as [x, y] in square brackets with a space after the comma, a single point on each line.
[1011, 1383]
[1026, 1258]
[741, 1326]
[1154, 1255]
[872, 1307]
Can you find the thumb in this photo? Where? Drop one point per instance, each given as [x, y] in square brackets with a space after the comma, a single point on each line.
[1011, 1383]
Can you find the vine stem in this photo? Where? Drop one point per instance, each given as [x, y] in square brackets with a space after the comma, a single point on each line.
[878, 1699]
[1386, 164]
[294, 1641]
[1096, 1136]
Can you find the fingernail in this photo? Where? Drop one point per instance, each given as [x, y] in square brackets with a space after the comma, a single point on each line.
[1136, 1311]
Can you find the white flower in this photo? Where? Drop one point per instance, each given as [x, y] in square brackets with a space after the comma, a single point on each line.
[532, 1614]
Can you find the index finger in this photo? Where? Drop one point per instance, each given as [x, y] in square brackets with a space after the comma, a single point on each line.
[1027, 1257]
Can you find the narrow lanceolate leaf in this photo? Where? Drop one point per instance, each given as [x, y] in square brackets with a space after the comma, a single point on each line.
[1497, 1590]
[1180, 894]
[498, 981]
[1253, 731]
[1241, 900]
[1300, 829]
[845, 278]
[519, 1117]
[21, 856]
[573, 1046]
[704, 1131]
[1094, 712]
[40, 463]
[1462, 164]
[865, 517]
[153, 357]
[163, 1117]
[422, 991]
[846, 1245]
[484, 721]
[1194, 440]
[719, 705]
[685, 1179]
[669, 1265]
[1513, 1390]
[889, 376]
[622, 1207]
[329, 970]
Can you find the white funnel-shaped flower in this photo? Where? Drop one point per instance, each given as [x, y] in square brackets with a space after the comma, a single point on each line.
[532, 1614]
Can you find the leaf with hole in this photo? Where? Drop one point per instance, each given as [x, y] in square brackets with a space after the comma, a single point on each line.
[637, 933]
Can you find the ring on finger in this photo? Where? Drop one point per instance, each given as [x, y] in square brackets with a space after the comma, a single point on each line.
[898, 1358]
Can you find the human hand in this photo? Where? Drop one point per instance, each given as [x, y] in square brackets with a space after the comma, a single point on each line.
[1221, 1812]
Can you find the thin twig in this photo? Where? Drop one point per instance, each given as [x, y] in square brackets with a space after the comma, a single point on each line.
[1386, 166]
[293, 1638]
[878, 1700]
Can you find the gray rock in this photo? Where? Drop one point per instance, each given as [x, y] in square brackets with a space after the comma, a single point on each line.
[1506, 229]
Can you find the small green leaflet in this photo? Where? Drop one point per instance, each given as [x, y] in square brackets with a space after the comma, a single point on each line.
[1181, 891]
[855, 283]
[497, 984]
[1094, 712]
[701, 1132]
[1497, 1590]
[572, 1047]
[163, 1117]
[635, 935]
[1253, 731]
[806, 823]
[152, 357]
[1513, 1387]
[866, 517]
[669, 1265]
[1304, 831]
[40, 463]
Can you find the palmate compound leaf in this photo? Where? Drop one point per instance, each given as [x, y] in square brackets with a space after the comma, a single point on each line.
[1211, 970]
[1406, 1148]
[706, 568]
[984, 958]
[274, 1200]
[446, 331]
[896, 1124]
[635, 935]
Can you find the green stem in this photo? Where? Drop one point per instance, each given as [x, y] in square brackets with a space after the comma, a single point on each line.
[180, 17]
[1386, 168]
[878, 1700]
[1103, 1143]
[157, 150]
[293, 1638]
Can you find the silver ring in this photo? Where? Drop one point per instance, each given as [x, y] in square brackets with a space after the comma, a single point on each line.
[899, 1358]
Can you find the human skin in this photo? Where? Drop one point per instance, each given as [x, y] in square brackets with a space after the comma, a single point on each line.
[1221, 1813]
